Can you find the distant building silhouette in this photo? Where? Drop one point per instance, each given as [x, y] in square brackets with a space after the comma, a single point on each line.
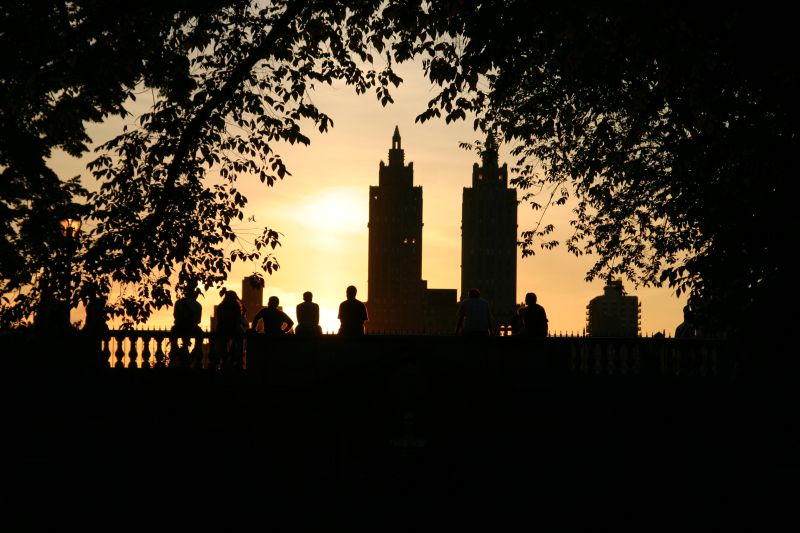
[614, 314]
[489, 235]
[252, 296]
[440, 310]
[399, 299]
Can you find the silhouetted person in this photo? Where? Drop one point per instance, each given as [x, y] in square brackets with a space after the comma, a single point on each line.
[273, 319]
[474, 316]
[229, 335]
[687, 328]
[517, 323]
[95, 329]
[352, 315]
[534, 317]
[187, 314]
[96, 317]
[307, 317]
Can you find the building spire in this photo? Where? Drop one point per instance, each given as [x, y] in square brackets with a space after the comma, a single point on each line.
[489, 156]
[396, 138]
[396, 153]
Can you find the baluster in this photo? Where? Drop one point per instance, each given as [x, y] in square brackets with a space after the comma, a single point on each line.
[159, 352]
[598, 359]
[174, 352]
[584, 358]
[611, 354]
[196, 355]
[623, 360]
[702, 366]
[715, 361]
[573, 357]
[105, 351]
[146, 350]
[676, 361]
[133, 353]
[118, 353]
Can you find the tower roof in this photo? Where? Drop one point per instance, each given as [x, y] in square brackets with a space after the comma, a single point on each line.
[396, 154]
[489, 155]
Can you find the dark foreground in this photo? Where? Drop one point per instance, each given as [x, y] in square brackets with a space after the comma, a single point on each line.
[410, 444]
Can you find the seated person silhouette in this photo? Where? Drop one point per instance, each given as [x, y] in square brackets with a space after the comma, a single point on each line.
[534, 317]
[686, 329]
[274, 320]
[307, 317]
[474, 317]
[188, 313]
[352, 315]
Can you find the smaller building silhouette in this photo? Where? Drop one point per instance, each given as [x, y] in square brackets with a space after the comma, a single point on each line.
[252, 296]
[439, 311]
[614, 314]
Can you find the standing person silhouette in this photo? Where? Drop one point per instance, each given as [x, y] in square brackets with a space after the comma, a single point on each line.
[474, 317]
[229, 334]
[352, 315]
[534, 317]
[686, 329]
[275, 321]
[307, 313]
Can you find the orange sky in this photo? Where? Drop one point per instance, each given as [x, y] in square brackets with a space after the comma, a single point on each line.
[322, 213]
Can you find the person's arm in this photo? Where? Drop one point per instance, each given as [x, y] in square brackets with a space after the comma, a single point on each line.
[259, 316]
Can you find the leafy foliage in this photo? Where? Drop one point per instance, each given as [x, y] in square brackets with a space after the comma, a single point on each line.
[230, 80]
[671, 129]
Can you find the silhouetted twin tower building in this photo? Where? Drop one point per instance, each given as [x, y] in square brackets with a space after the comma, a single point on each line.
[399, 299]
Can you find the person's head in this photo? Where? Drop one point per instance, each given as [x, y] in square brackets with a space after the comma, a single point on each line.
[190, 290]
[474, 293]
[688, 314]
[351, 291]
[231, 296]
[307, 296]
[530, 298]
[273, 302]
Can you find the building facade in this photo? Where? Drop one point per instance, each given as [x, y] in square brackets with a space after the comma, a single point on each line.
[399, 300]
[252, 296]
[489, 235]
[614, 314]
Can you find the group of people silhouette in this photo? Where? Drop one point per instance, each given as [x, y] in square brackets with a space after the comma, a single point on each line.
[475, 319]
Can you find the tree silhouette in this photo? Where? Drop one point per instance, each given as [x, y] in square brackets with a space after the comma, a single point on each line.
[671, 128]
[229, 80]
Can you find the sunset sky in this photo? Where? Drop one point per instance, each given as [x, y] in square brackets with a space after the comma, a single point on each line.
[321, 210]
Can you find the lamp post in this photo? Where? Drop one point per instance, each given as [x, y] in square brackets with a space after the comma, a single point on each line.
[58, 314]
[70, 228]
